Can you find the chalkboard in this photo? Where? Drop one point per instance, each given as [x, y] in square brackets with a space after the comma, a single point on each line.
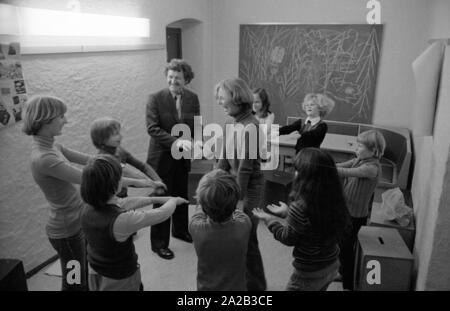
[290, 61]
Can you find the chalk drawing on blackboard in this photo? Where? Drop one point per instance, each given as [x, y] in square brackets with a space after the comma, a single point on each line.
[290, 61]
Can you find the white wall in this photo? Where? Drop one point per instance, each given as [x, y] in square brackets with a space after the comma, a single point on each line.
[93, 85]
[404, 36]
[440, 23]
[432, 177]
[431, 199]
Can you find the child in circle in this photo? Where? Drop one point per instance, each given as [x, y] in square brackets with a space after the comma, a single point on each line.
[315, 219]
[106, 137]
[112, 258]
[314, 129]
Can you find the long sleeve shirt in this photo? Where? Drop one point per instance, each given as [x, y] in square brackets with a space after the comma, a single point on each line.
[311, 136]
[139, 214]
[53, 172]
[311, 251]
[361, 179]
[126, 157]
[246, 168]
[221, 250]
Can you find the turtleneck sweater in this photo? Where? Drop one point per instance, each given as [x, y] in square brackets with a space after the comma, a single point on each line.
[52, 171]
[247, 168]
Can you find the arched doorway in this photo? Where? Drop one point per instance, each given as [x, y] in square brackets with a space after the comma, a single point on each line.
[187, 38]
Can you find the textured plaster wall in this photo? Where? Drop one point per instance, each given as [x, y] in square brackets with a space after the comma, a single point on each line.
[93, 85]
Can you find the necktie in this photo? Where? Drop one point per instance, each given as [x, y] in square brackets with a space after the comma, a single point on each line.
[307, 126]
[178, 103]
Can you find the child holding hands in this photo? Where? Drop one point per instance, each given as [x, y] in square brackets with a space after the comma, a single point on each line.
[106, 137]
[361, 176]
[220, 234]
[113, 262]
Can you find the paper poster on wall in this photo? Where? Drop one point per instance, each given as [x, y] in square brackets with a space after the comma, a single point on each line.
[13, 92]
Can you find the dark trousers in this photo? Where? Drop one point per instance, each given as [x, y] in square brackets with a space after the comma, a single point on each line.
[176, 181]
[348, 251]
[256, 280]
[72, 251]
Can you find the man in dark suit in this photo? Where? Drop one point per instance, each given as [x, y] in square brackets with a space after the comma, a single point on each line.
[165, 109]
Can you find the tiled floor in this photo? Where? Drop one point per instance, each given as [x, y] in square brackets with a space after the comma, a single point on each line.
[180, 273]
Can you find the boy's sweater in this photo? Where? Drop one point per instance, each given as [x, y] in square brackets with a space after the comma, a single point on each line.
[221, 250]
[361, 179]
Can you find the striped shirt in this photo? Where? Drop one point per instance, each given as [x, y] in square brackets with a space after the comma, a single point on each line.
[361, 179]
[312, 252]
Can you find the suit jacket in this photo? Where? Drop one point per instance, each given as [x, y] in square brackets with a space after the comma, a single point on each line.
[161, 116]
[309, 138]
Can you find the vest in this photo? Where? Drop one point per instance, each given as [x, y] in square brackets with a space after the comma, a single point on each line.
[108, 257]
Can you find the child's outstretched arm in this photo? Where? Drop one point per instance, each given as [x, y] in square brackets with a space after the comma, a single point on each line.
[133, 203]
[314, 136]
[287, 129]
[141, 166]
[55, 166]
[348, 163]
[73, 155]
[363, 171]
[132, 173]
[128, 171]
[129, 222]
[137, 183]
[150, 172]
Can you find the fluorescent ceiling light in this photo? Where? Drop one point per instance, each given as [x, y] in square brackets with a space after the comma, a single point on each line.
[42, 22]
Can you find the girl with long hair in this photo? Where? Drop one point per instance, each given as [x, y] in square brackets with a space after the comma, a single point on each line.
[315, 219]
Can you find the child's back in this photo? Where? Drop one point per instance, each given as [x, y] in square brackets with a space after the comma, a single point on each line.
[222, 251]
[220, 234]
[107, 256]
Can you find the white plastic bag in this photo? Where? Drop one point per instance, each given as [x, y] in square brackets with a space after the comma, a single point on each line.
[394, 207]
